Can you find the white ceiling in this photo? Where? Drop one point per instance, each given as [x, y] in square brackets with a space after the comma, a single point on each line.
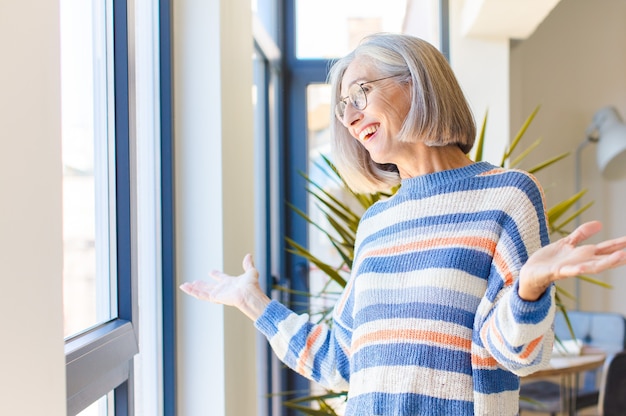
[513, 19]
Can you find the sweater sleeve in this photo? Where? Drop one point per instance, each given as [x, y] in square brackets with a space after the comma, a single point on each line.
[518, 334]
[318, 352]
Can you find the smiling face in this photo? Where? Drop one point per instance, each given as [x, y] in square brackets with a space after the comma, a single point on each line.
[377, 126]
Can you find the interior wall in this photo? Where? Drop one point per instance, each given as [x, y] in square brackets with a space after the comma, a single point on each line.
[482, 67]
[32, 358]
[213, 119]
[573, 65]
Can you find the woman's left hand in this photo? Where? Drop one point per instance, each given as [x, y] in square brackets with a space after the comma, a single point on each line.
[566, 258]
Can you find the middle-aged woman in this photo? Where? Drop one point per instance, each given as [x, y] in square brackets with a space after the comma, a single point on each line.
[451, 294]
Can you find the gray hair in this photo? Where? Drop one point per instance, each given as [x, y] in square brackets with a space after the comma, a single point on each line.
[439, 114]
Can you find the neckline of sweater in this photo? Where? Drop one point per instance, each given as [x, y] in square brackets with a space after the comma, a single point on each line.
[429, 181]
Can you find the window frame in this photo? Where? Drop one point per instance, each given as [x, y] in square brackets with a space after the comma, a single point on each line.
[299, 73]
[270, 226]
[100, 360]
[168, 253]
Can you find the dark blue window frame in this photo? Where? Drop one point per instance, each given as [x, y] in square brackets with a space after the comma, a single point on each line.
[167, 209]
[298, 75]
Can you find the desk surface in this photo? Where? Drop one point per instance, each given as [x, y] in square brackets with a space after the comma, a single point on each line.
[568, 364]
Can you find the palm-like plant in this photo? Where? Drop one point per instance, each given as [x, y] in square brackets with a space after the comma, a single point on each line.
[343, 221]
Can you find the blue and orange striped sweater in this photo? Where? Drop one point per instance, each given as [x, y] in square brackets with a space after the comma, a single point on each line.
[430, 322]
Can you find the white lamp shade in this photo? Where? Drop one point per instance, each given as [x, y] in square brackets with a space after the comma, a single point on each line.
[611, 151]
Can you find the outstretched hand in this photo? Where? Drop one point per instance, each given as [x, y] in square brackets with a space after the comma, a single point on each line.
[567, 258]
[242, 292]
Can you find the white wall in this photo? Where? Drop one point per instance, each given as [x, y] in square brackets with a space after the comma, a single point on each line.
[32, 360]
[482, 68]
[573, 65]
[214, 200]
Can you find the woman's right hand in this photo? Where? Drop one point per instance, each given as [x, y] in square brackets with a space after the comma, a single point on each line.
[242, 292]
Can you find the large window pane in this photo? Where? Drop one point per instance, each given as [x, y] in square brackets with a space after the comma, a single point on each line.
[102, 407]
[111, 204]
[327, 29]
[350, 20]
[267, 13]
[318, 138]
[87, 157]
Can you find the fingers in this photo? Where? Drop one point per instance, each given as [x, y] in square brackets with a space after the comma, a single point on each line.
[198, 289]
[594, 265]
[583, 232]
[611, 246]
[217, 275]
[616, 259]
[587, 230]
[186, 287]
[248, 262]
[206, 290]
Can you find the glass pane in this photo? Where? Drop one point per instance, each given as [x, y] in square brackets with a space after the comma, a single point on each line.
[261, 132]
[86, 150]
[267, 13]
[318, 123]
[344, 24]
[102, 407]
[318, 137]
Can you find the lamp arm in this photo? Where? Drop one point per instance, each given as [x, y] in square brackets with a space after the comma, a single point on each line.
[578, 181]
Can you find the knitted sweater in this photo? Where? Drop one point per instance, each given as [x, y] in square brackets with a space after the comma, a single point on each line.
[430, 322]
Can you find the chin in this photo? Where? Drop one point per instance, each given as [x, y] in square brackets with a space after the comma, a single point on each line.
[380, 159]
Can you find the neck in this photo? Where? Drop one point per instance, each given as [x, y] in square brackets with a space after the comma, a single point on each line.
[433, 159]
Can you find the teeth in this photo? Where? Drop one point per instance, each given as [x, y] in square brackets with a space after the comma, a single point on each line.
[367, 131]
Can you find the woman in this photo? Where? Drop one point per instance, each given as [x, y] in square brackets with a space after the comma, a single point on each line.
[451, 293]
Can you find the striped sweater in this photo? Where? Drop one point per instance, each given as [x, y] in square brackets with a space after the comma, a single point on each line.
[430, 322]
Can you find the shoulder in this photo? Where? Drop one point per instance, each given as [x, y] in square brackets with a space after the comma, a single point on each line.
[512, 181]
[511, 177]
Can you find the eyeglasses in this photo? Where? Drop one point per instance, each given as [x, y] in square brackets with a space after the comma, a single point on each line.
[357, 97]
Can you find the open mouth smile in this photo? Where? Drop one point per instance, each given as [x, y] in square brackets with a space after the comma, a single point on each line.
[368, 132]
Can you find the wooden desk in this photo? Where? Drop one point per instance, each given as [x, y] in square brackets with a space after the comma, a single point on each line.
[568, 367]
[570, 364]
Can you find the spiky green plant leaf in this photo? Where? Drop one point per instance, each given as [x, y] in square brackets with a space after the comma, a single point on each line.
[548, 162]
[480, 141]
[518, 137]
[330, 271]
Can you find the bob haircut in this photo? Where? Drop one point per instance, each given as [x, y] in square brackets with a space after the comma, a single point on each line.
[439, 114]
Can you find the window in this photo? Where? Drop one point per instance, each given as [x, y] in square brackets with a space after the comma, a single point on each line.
[345, 23]
[88, 154]
[97, 207]
[267, 61]
[309, 53]
[112, 207]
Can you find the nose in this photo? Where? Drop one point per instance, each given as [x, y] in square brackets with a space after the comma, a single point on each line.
[351, 115]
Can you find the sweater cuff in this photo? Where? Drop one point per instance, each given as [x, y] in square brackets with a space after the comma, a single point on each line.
[531, 312]
[272, 316]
